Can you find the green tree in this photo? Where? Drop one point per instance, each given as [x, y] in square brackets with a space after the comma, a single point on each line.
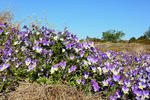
[147, 33]
[132, 39]
[112, 35]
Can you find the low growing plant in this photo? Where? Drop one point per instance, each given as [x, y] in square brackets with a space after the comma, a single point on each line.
[48, 57]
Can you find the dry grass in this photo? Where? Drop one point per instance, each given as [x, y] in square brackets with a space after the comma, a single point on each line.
[6, 16]
[126, 47]
[28, 91]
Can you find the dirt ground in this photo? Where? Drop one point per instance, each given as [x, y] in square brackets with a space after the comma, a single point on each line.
[34, 91]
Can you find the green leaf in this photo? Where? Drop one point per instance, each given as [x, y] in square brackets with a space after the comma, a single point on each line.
[1, 86]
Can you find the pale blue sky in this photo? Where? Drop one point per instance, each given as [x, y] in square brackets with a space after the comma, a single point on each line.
[87, 17]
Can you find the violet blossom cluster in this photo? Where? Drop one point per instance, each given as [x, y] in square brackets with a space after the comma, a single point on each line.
[41, 52]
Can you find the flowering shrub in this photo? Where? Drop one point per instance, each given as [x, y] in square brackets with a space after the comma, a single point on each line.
[49, 57]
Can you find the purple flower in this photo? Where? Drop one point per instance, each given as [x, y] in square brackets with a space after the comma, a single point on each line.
[113, 97]
[117, 93]
[34, 62]
[63, 64]
[125, 89]
[43, 27]
[28, 61]
[34, 47]
[7, 43]
[31, 66]
[84, 44]
[33, 25]
[83, 80]
[44, 42]
[36, 42]
[91, 43]
[39, 49]
[78, 81]
[5, 52]
[47, 74]
[148, 83]
[141, 85]
[44, 51]
[52, 31]
[86, 75]
[4, 66]
[1, 24]
[5, 24]
[95, 85]
[10, 51]
[54, 68]
[73, 68]
[85, 63]
[71, 57]
[4, 57]
[41, 38]
[116, 77]
[89, 58]
[60, 32]
[7, 47]
[94, 60]
[25, 26]
[93, 68]
[1, 31]
[139, 98]
[68, 45]
[18, 64]
[66, 29]
[134, 87]
[26, 50]
[127, 82]
[50, 52]
[40, 30]
[138, 92]
[81, 53]
[105, 82]
[46, 35]
[105, 70]
[146, 93]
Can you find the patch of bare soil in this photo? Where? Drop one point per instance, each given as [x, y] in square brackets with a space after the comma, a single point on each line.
[34, 91]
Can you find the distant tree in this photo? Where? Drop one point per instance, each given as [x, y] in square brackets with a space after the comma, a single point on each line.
[142, 37]
[112, 35]
[147, 33]
[132, 39]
